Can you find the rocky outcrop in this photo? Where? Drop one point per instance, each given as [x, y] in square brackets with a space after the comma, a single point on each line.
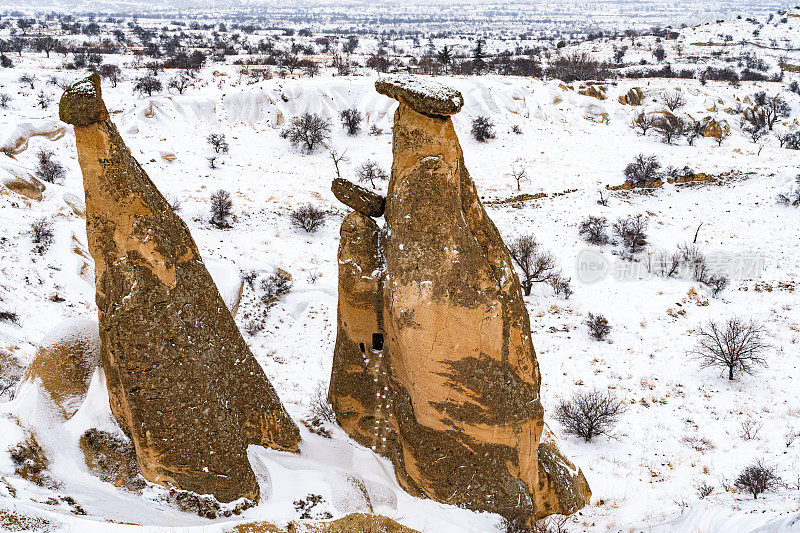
[182, 382]
[715, 129]
[65, 361]
[358, 198]
[634, 97]
[434, 366]
[594, 92]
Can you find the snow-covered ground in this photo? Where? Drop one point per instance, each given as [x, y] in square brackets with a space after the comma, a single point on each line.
[683, 424]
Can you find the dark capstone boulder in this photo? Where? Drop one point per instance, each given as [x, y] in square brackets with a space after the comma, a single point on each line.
[358, 198]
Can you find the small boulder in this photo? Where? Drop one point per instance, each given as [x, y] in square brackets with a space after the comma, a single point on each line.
[112, 458]
[65, 362]
[594, 92]
[24, 185]
[358, 198]
[634, 97]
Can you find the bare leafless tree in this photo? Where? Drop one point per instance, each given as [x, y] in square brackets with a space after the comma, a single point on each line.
[673, 100]
[736, 345]
[537, 265]
[337, 157]
[519, 175]
[370, 171]
[631, 231]
[643, 122]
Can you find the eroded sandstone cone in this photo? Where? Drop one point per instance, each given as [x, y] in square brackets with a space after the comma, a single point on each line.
[434, 365]
[181, 380]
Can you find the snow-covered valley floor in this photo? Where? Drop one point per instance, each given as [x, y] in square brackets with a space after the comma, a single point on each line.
[683, 424]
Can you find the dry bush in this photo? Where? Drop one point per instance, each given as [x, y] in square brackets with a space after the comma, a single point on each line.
[631, 231]
[308, 217]
[598, 326]
[673, 100]
[482, 129]
[643, 169]
[593, 230]
[589, 414]
[30, 461]
[758, 478]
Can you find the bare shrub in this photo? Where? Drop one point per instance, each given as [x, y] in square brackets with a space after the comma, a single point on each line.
[704, 490]
[370, 171]
[9, 316]
[589, 414]
[560, 285]
[736, 345]
[791, 198]
[47, 169]
[482, 129]
[320, 407]
[757, 478]
[695, 261]
[631, 231]
[643, 169]
[598, 326]
[41, 232]
[643, 122]
[218, 143]
[351, 120]
[593, 230]
[221, 208]
[667, 264]
[673, 100]
[308, 217]
[750, 429]
[717, 283]
[274, 287]
[308, 131]
[4, 100]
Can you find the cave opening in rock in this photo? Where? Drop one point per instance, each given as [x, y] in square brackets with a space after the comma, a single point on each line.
[377, 341]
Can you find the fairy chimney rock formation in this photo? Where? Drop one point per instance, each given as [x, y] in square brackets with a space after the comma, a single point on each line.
[181, 381]
[434, 366]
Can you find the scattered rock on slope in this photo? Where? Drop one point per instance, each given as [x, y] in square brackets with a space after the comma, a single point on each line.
[434, 365]
[182, 383]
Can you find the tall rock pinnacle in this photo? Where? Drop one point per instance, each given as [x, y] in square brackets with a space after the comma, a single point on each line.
[434, 366]
[181, 380]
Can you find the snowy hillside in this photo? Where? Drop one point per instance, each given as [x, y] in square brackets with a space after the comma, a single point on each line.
[683, 426]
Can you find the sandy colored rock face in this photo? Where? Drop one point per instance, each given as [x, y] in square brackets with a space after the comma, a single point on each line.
[434, 365]
[181, 380]
[29, 186]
